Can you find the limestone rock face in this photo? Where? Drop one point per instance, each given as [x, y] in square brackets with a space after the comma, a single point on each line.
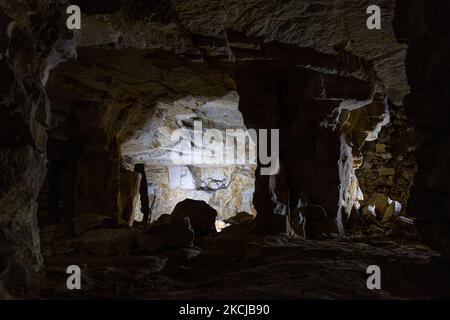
[380, 202]
[314, 24]
[227, 186]
[390, 162]
[389, 214]
[305, 105]
[30, 45]
[153, 143]
[381, 216]
[227, 189]
[135, 124]
[329, 27]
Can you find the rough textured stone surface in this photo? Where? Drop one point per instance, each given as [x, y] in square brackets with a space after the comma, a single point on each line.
[426, 30]
[227, 189]
[383, 221]
[56, 239]
[167, 232]
[330, 27]
[106, 242]
[86, 222]
[152, 144]
[394, 149]
[305, 105]
[134, 121]
[27, 52]
[201, 216]
[239, 265]
[240, 217]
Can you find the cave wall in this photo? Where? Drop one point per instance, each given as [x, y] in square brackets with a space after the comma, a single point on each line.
[184, 27]
[389, 163]
[30, 44]
[98, 171]
[298, 101]
[64, 146]
[225, 185]
[425, 27]
[228, 189]
[128, 195]
[78, 149]
[128, 103]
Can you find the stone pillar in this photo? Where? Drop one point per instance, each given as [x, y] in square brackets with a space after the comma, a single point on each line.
[297, 101]
[27, 37]
[424, 26]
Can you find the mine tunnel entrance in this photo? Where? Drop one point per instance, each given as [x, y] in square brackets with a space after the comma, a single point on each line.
[145, 208]
[227, 187]
[110, 152]
[113, 160]
[64, 148]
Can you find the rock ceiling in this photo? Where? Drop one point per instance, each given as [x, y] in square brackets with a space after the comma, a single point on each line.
[207, 28]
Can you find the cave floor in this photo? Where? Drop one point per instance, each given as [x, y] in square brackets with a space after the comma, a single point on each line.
[236, 264]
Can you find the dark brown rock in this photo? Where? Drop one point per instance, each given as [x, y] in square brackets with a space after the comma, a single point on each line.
[202, 217]
[86, 222]
[176, 233]
[240, 217]
[424, 27]
[107, 242]
[25, 58]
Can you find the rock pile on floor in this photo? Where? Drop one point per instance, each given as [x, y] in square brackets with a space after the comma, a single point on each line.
[237, 264]
[389, 163]
[190, 222]
[106, 242]
[381, 216]
[240, 217]
[86, 222]
[200, 214]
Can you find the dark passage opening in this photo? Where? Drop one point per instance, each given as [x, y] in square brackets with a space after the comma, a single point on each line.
[143, 192]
